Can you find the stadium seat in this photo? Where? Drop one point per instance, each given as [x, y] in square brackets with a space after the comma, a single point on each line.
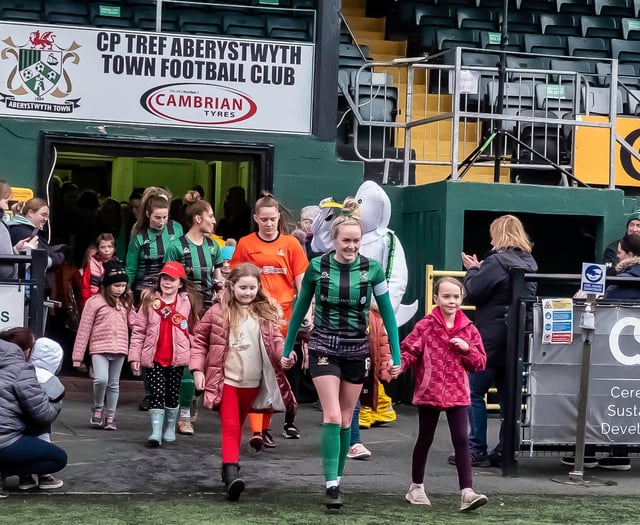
[21, 11]
[630, 28]
[583, 7]
[98, 19]
[514, 41]
[586, 68]
[475, 18]
[559, 24]
[522, 21]
[144, 17]
[588, 47]
[625, 50]
[536, 5]
[614, 7]
[66, 12]
[627, 74]
[633, 103]
[244, 25]
[600, 26]
[545, 44]
[288, 28]
[597, 100]
[424, 38]
[352, 56]
[451, 38]
[518, 65]
[545, 139]
[198, 21]
[555, 97]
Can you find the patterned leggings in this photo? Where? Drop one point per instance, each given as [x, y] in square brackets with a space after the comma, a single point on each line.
[164, 385]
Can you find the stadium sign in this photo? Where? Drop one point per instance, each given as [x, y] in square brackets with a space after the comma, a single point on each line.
[55, 72]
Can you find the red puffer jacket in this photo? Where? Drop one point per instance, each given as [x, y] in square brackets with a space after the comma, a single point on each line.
[441, 370]
[209, 350]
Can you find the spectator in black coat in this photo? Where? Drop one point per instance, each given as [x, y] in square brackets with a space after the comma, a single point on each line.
[487, 288]
[611, 252]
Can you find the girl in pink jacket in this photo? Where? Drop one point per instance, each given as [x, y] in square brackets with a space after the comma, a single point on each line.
[443, 347]
[235, 359]
[160, 342]
[104, 325]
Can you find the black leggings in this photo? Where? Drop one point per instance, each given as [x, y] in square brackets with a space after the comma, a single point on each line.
[164, 385]
[458, 420]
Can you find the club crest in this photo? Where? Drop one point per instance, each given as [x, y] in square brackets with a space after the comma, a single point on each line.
[39, 73]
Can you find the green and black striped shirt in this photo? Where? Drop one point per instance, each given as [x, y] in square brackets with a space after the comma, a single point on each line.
[343, 293]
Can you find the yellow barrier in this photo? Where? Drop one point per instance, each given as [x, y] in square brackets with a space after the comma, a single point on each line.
[431, 274]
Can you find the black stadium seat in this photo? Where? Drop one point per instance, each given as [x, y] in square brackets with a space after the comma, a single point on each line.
[588, 47]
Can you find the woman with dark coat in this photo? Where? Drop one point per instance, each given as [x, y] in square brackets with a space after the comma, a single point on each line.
[23, 406]
[487, 288]
[628, 266]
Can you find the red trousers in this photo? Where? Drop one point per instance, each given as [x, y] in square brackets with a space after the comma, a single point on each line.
[234, 407]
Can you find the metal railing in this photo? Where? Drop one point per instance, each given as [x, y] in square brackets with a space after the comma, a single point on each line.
[445, 112]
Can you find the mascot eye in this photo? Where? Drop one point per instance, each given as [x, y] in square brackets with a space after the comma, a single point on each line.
[359, 201]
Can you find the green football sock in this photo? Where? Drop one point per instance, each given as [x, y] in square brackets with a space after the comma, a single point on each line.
[330, 450]
[345, 442]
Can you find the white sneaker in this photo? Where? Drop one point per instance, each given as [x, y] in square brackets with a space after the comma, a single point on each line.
[417, 495]
[359, 451]
[470, 500]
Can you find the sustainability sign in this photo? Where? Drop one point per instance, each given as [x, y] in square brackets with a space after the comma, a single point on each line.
[55, 72]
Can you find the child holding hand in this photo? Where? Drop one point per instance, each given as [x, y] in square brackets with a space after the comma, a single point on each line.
[443, 347]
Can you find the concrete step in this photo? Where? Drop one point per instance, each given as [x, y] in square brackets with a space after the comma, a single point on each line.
[362, 23]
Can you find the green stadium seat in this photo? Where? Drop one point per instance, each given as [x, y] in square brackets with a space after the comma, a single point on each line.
[451, 38]
[71, 12]
[475, 18]
[600, 26]
[583, 7]
[614, 7]
[587, 68]
[627, 74]
[588, 47]
[21, 11]
[144, 17]
[625, 50]
[201, 22]
[630, 28]
[597, 100]
[523, 21]
[96, 18]
[559, 24]
[244, 25]
[514, 42]
[545, 44]
[289, 28]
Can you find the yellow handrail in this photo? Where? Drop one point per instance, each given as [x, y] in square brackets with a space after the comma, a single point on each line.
[431, 274]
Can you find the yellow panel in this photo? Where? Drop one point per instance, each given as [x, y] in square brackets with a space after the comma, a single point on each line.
[592, 152]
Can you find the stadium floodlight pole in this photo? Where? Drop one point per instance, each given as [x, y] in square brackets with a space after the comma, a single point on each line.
[502, 78]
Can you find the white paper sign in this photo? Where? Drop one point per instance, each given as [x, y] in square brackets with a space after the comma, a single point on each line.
[56, 72]
[11, 306]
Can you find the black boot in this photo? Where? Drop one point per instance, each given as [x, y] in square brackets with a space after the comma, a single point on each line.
[232, 481]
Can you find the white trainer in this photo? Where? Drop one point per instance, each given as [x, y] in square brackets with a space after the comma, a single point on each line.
[359, 451]
[470, 500]
[417, 495]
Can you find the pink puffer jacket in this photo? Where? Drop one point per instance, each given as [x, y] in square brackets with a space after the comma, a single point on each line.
[146, 331]
[440, 369]
[104, 328]
[209, 351]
